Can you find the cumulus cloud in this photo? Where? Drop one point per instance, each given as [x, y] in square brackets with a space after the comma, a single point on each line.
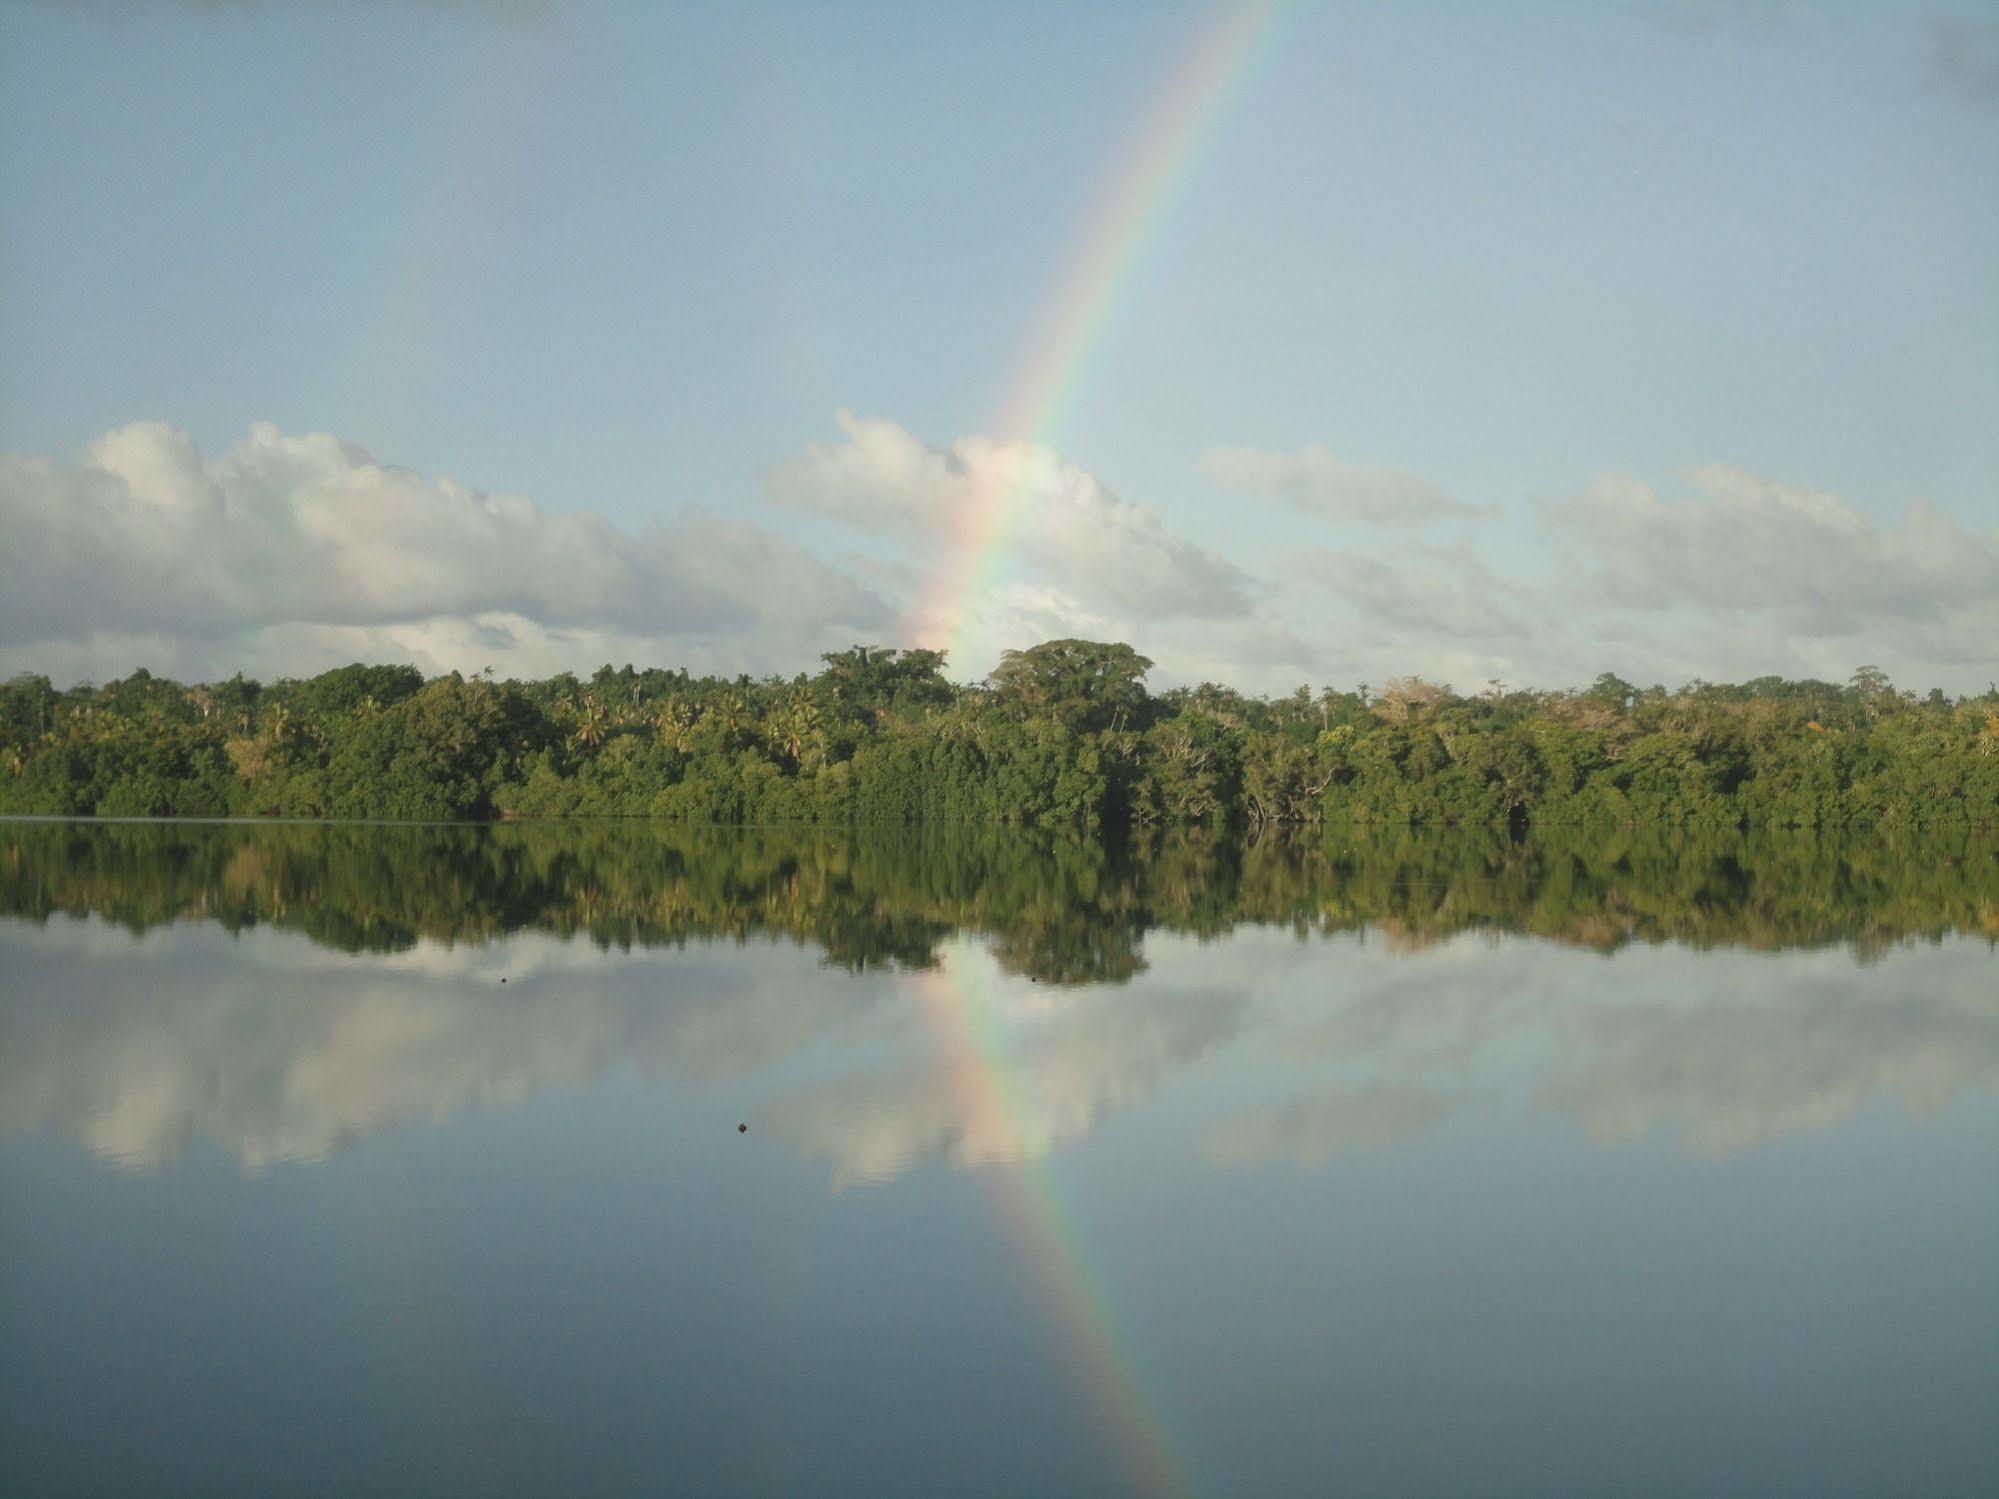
[1748, 575]
[1314, 479]
[287, 554]
[311, 543]
[1259, 652]
[1424, 593]
[1090, 552]
[1443, 613]
[1805, 560]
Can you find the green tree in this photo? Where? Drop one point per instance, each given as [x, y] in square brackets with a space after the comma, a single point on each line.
[1085, 685]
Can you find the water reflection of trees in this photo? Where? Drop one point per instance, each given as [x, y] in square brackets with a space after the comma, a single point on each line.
[1063, 910]
[283, 1048]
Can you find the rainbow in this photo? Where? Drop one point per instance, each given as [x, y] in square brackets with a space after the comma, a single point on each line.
[958, 1006]
[1056, 360]
[956, 1002]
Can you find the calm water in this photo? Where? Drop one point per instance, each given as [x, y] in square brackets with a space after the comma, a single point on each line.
[384, 1161]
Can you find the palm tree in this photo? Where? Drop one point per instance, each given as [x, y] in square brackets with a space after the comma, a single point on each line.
[592, 723]
[675, 723]
[732, 716]
[797, 731]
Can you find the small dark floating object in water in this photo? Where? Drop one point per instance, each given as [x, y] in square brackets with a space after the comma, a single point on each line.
[503, 981]
[742, 1129]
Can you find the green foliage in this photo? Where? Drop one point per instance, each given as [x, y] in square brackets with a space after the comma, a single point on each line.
[1063, 734]
[1084, 685]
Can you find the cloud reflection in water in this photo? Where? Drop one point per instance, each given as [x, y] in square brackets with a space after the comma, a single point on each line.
[276, 1050]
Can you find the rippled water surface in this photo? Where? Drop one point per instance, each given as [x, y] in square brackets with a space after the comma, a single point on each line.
[407, 1161]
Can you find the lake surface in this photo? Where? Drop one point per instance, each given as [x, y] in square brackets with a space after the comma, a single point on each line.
[399, 1161]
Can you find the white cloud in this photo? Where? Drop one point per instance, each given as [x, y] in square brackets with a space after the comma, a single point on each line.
[288, 554]
[303, 551]
[1424, 593]
[1090, 552]
[1259, 652]
[1314, 479]
[1756, 545]
[1798, 579]
[1446, 615]
[1749, 576]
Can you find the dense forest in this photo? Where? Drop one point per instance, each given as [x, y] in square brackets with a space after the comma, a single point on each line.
[1065, 733]
[1060, 906]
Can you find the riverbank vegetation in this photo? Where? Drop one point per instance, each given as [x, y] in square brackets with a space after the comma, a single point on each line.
[1065, 733]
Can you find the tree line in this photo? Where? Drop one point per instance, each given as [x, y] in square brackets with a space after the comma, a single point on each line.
[1062, 906]
[1064, 733]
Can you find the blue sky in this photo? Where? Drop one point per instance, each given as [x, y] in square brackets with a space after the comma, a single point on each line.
[1690, 309]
